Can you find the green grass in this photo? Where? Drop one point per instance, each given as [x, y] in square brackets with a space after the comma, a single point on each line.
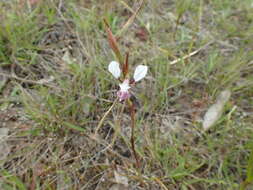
[53, 143]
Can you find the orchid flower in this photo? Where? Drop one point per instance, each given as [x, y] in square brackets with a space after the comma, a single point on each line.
[139, 73]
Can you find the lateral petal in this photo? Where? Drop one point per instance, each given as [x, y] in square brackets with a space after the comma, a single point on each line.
[114, 69]
[140, 72]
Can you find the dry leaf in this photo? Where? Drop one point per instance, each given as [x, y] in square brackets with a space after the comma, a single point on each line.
[215, 111]
[113, 42]
[142, 34]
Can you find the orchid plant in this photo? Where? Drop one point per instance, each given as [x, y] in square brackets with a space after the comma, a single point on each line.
[120, 71]
[139, 73]
[124, 91]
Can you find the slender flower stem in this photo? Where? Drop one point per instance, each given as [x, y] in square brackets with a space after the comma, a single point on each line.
[132, 113]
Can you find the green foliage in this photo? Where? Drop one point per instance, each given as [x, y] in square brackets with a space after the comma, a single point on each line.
[11, 181]
[249, 172]
[173, 97]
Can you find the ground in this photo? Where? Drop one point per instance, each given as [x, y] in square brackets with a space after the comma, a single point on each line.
[62, 126]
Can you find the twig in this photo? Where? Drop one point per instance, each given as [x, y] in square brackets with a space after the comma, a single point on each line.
[130, 20]
[134, 16]
[104, 116]
[44, 83]
[191, 54]
[22, 80]
[160, 183]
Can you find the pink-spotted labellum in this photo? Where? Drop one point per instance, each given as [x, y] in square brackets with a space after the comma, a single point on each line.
[139, 73]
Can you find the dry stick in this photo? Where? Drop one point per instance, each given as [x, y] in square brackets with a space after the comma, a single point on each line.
[132, 112]
[191, 54]
[24, 80]
[103, 118]
[118, 124]
[40, 82]
[160, 183]
[130, 20]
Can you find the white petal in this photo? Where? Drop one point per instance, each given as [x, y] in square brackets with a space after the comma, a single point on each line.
[124, 87]
[140, 72]
[114, 69]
